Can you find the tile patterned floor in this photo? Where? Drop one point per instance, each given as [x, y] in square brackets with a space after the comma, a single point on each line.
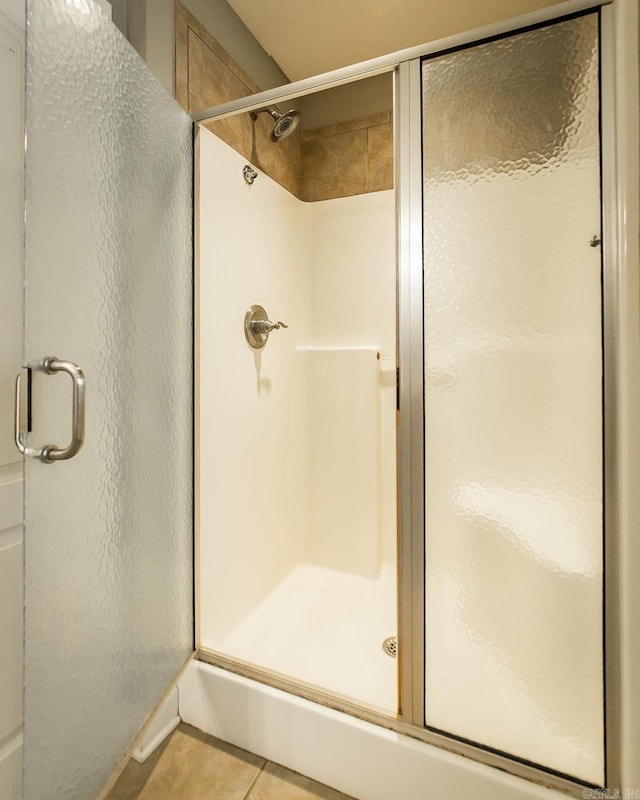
[193, 766]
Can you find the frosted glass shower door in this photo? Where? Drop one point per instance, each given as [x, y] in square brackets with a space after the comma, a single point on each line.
[513, 396]
[108, 286]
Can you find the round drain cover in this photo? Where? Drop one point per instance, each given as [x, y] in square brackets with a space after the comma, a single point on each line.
[390, 646]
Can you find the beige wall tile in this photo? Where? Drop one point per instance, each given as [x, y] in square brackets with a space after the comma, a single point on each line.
[280, 160]
[380, 158]
[341, 160]
[206, 76]
[216, 48]
[345, 127]
[236, 132]
[334, 166]
[210, 80]
[182, 58]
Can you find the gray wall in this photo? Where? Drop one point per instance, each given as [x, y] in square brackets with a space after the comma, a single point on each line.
[149, 25]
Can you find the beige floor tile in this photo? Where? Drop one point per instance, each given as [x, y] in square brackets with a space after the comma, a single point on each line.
[133, 778]
[197, 767]
[278, 783]
[193, 766]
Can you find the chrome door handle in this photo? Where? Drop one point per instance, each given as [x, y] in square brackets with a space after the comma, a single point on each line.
[51, 452]
[16, 424]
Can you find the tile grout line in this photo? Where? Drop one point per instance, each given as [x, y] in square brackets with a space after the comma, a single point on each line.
[255, 780]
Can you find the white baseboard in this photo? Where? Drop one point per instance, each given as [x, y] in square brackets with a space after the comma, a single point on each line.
[362, 760]
[164, 721]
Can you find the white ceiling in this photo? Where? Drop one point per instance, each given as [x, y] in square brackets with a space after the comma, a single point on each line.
[307, 37]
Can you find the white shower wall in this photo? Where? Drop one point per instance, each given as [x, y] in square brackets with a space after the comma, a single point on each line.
[327, 269]
[353, 289]
[253, 248]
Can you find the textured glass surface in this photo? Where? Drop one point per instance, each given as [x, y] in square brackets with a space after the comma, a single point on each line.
[513, 397]
[108, 285]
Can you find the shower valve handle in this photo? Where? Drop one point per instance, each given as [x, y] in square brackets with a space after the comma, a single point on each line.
[266, 326]
[258, 326]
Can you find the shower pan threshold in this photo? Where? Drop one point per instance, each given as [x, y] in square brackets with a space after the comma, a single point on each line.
[359, 753]
[324, 628]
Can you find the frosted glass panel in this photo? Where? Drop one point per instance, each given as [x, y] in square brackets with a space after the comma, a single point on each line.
[108, 285]
[513, 417]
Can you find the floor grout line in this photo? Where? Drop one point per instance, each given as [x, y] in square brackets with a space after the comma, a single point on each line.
[255, 780]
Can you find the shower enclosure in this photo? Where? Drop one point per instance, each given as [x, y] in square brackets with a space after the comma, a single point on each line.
[503, 293]
[297, 467]
[413, 414]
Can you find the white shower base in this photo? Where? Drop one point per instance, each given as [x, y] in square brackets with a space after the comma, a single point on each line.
[362, 760]
[325, 628]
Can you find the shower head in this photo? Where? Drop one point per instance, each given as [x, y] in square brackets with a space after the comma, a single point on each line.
[284, 124]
